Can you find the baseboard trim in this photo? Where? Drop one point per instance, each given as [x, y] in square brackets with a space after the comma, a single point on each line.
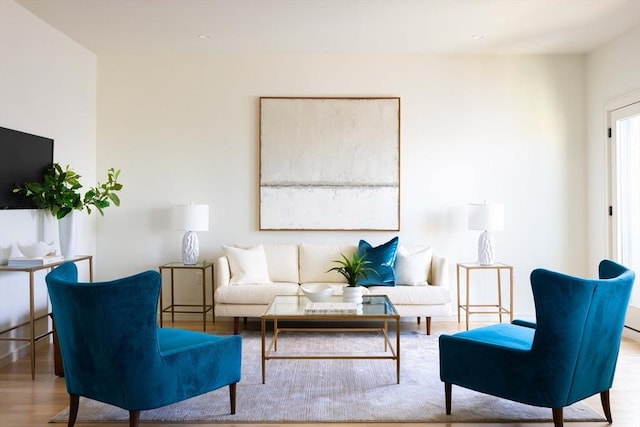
[21, 351]
[631, 333]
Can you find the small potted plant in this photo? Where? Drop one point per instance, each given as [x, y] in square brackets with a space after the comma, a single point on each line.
[59, 193]
[352, 269]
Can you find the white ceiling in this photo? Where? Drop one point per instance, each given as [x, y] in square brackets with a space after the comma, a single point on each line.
[339, 26]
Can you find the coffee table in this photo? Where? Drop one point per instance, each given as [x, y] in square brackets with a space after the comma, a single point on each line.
[292, 308]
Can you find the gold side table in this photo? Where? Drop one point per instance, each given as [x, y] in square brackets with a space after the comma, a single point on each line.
[33, 338]
[485, 308]
[203, 308]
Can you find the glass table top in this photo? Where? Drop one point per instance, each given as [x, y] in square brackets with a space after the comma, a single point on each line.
[294, 305]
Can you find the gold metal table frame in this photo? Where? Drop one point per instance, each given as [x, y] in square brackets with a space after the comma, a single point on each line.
[174, 308]
[33, 338]
[375, 308]
[498, 308]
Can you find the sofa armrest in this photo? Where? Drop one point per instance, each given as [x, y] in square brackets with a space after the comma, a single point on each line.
[439, 272]
[222, 272]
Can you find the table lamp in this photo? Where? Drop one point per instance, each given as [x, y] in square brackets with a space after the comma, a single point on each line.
[486, 217]
[191, 218]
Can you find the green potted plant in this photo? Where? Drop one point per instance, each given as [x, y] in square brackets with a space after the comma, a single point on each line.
[352, 269]
[59, 193]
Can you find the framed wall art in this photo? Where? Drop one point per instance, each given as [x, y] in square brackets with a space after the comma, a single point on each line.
[329, 163]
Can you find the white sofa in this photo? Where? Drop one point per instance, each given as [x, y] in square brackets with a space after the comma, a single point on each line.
[242, 290]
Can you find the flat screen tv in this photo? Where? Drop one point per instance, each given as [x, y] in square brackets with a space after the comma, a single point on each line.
[23, 158]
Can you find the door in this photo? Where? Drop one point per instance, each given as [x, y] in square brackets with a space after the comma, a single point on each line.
[625, 198]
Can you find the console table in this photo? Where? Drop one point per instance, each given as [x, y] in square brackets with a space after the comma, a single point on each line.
[33, 338]
[485, 308]
[203, 308]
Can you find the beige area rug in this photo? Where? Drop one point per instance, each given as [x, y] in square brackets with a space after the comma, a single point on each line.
[338, 390]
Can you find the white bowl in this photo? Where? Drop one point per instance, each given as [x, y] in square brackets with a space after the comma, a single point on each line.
[36, 250]
[317, 293]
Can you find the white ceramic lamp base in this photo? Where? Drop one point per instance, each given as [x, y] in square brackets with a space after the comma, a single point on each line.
[190, 248]
[486, 249]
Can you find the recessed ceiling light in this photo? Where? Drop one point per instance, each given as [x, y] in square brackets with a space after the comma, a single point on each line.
[477, 36]
[204, 36]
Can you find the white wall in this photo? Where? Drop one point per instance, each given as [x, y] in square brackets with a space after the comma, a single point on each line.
[474, 128]
[613, 71]
[47, 87]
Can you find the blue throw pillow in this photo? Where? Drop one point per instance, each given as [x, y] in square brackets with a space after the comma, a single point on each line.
[382, 259]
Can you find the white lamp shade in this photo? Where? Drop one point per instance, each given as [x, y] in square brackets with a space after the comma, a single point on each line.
[486, 216]
[191, 217]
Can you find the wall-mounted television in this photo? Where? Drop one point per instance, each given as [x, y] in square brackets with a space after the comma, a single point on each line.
[23, 158]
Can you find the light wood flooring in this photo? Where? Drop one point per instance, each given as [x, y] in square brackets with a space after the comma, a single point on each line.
[27, 403]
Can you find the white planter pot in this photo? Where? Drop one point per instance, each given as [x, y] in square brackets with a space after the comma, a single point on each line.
[352, 294]
[67, 234]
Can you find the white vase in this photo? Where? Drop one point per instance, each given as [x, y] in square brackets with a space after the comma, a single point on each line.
[67, 234]
[352, 294]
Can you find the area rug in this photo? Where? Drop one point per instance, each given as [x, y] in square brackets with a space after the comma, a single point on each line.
[303, 391]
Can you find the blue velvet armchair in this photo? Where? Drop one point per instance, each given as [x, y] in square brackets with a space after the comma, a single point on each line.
[113, 351]
[569, 354]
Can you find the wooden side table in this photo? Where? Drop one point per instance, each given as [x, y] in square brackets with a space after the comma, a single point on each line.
[485, 308]
[203, 308]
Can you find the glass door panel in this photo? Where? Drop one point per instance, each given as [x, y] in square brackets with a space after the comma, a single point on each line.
[625, 192]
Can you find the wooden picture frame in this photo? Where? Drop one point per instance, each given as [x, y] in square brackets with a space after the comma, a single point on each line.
[329, 163]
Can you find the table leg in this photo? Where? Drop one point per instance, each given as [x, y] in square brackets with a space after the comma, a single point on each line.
[398, 349]
[499, 295]
[213, 298]
[458, 282]
[511, 294]
[32, 326]
[262, 329]
[204, 301]
[173, 320]
[466, 303]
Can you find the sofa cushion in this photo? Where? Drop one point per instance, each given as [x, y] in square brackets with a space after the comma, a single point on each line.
[282, 261]
[382, 259]
[248, 266]
[413, 295]
[412, 268]
[315, 260]
[253, 294]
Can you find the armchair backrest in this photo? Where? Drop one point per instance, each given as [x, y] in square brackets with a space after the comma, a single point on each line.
[107, 331]
[579, 328]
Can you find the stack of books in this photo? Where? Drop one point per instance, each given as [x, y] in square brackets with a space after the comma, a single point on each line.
[331, 308]
[24, 261]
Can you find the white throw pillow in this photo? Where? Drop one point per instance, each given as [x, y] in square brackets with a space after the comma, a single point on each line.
[412, 268]
[248, 266]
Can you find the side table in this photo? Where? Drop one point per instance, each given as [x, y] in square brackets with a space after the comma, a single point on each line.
[485, 308]
[32, 319]
[203, 308]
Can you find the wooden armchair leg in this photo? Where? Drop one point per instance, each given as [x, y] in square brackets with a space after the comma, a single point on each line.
[74, 403]
[236, 325]
[447, 398]
[557, 417]
[606, 406]
[245, 323]
[134, 418]
[232, 397]
[418, 320]
[428, 323]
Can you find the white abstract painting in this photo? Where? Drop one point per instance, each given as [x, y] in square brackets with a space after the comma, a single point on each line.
[329, 163]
